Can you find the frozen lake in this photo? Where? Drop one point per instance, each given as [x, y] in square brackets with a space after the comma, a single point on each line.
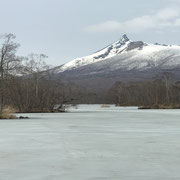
[92, 143]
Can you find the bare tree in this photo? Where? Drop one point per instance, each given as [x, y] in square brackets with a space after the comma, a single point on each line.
[8, 62]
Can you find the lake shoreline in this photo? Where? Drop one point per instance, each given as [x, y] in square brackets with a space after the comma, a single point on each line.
[159, 107]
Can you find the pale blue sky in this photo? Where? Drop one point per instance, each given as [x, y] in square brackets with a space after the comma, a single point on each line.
[66, 29]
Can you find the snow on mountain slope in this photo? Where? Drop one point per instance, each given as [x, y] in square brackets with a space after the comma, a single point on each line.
[151, 56]
[110, 51]
[125, 54]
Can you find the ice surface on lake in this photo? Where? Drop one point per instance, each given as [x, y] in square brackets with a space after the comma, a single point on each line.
[92, 143]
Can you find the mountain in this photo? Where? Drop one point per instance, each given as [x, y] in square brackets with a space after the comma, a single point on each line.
[123, 60]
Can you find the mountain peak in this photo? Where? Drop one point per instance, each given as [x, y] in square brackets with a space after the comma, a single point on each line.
[125, 38]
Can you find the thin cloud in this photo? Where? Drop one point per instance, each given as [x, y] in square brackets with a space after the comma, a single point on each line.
[169, 17]
[177, 22]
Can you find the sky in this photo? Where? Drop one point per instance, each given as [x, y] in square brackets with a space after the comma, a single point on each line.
[68, 29]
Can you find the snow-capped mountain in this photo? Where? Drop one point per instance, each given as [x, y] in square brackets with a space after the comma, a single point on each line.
[123, 60]
[126, 55]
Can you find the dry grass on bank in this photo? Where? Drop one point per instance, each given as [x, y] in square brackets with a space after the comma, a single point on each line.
[8, 113]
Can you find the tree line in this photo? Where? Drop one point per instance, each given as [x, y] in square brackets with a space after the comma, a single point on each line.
[160, 92]
[27, 83]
